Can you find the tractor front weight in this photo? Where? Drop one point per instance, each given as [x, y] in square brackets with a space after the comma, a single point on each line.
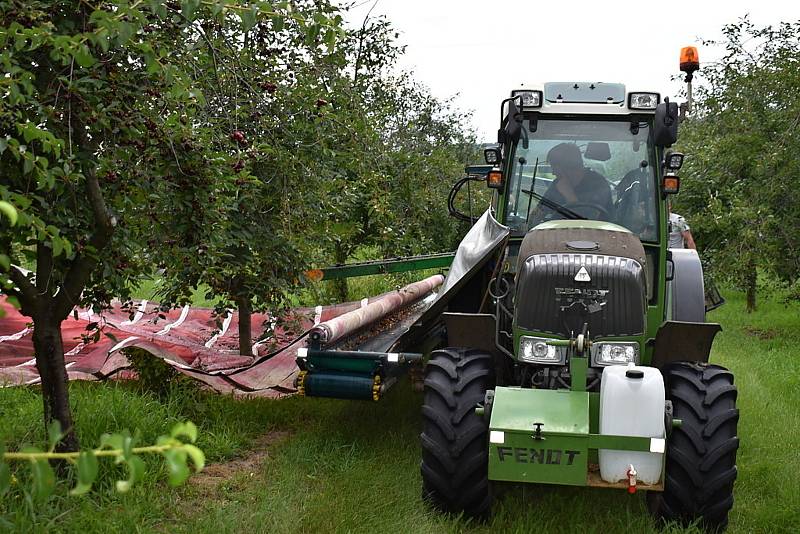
[550, 437]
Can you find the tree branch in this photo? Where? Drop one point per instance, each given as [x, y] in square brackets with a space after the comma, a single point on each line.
[44, 267]
[83, 264]
[24, 291]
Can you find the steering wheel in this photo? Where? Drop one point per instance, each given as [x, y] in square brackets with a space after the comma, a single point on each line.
[601, 211]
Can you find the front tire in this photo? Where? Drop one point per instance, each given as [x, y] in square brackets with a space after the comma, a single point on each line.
[454, 439]
[701, 453]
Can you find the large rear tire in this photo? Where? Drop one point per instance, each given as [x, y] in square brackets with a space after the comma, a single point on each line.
[701, 453]
[454, 439]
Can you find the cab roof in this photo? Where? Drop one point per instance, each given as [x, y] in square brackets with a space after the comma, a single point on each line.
[585, 98]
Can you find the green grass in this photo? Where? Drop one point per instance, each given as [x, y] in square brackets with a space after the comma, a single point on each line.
[341, 466]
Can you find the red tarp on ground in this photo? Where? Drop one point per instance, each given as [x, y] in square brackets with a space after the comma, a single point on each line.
[188, 339]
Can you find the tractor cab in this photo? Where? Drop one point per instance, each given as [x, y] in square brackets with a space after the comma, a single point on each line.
[584, 151]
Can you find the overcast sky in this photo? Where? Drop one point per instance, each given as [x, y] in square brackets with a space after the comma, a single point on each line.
[480, 50]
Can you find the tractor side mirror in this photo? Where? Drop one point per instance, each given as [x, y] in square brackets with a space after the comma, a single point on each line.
[665, 129]
[511, 121]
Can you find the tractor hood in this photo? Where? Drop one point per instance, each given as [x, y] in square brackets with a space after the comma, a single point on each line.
[575, 272]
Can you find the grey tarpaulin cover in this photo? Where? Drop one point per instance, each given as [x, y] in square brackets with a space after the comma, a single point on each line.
[482, 239]
[480, 244]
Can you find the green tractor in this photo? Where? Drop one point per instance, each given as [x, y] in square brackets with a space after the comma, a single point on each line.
[568, 343]
[587, 365]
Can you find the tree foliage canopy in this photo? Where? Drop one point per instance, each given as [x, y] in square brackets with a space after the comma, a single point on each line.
[744, 155]
[229, 144]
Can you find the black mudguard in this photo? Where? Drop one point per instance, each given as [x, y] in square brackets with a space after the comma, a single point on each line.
[678, 341]
[473, 330]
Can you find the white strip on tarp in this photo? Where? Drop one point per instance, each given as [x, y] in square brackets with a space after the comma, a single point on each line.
[272, 327]
[122, 343]
[225, 324]
[75, 350]
[139, 313]
[16, 337]
[184, 314]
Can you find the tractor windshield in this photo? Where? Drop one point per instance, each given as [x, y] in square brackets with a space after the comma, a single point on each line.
[579, 169]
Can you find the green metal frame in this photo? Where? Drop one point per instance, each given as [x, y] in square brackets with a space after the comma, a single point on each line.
[393, 265]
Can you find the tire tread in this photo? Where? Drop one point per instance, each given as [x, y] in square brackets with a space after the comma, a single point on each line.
[454, 439]
[701, 453]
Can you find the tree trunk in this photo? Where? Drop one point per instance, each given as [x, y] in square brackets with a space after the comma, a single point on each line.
[55, 391]
[245, 320]
[340, 284]
[750, 286]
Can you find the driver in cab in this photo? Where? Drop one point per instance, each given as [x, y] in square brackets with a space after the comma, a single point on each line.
[577, 192]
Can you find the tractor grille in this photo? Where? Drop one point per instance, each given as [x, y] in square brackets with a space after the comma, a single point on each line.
[549, 298]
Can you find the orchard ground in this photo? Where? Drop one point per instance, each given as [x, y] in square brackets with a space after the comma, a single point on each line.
[312, 465]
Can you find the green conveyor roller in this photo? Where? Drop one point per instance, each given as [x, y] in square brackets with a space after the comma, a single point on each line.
[339, 385]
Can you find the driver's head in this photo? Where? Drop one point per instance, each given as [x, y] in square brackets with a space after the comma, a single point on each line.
[565, 160]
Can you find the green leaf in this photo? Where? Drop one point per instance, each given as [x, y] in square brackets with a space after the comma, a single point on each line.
[54, 434]
[125, 32]
[58, 246]
[67, 247]
[80, 489]
[127, 445]
[84, 57]
[111, 441]
[197, 456]
[9, 211]
[14, 301]
[5, 262]
[158, 8]
[111, 336]
[187, 429]
[30, 132]
[87, 472]
[5, 478]
[248, 18]
[136, 470]
[176, 464]
[217, 7]
[5, 473]
[44, 480]
[101, 38]
[330, 40]
[189, 8]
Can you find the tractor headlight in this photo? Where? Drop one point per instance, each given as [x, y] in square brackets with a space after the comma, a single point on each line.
[643, 100]
[536, 350]
[530, 99]
[614, 353]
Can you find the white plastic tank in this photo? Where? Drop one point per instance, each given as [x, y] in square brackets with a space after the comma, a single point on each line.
[632, 404]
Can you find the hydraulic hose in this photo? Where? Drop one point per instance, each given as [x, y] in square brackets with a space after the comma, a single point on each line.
[451, 197]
